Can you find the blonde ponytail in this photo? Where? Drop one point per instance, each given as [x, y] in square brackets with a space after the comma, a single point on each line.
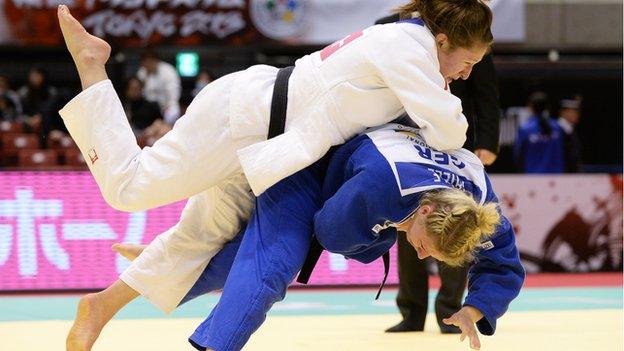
[458, 224]
[487, 218]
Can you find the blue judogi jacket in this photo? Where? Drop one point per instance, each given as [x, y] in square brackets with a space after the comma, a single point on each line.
[376, 180]
[537, 152]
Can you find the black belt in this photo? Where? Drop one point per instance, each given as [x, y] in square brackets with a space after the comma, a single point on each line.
[277, 124]
[279, 102]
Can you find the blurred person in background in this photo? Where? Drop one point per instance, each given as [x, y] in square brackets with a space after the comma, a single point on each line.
[479, 97]
[141, 112]
[203, 78]
[161, 84]
[53, 129]
[10, 104]
[7, 109]
[539, 143]
[569, 118]
[36, 98]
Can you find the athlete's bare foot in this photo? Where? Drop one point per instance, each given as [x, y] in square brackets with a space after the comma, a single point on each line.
[90, 319]
[129, 251]
[90, 53]
[94, 311]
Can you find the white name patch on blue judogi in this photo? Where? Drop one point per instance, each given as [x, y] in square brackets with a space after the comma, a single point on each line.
[459, 169]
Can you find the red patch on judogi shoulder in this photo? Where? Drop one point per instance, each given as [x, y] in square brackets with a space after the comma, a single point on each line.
[331, 49]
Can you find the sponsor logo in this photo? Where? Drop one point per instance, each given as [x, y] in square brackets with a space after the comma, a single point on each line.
[278, 19]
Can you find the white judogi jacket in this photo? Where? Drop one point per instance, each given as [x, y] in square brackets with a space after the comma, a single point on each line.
[366, 80]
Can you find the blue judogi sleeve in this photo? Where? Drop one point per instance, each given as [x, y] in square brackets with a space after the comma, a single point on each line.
[496, 276]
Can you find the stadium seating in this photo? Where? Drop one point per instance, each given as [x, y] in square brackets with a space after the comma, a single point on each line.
[12, 143]
[37, 158]
[11, 127]
[73, 158]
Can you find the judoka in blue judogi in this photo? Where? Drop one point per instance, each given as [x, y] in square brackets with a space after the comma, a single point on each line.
[351, 202]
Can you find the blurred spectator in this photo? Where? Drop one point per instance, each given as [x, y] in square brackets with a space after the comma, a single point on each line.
[203, 79]
[539, 144]
[141, 113]
[569, 117]
[53, 129]
[7, 109]
[161, 84]
[10, 105]
[479, 97]
[36, 97]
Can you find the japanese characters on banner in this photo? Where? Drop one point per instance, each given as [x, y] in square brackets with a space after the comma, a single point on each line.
[56, 230]
[221, 22]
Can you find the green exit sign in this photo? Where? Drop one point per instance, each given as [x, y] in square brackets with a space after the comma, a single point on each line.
[187, 64]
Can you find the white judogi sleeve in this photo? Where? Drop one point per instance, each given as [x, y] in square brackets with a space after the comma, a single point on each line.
[415, 79]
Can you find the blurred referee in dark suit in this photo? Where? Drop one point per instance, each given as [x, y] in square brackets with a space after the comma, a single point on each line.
[479, 96]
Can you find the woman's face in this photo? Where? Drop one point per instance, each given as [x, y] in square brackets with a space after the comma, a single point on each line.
[35, 78]
[456, 63]
[134, 90]
[417, 235]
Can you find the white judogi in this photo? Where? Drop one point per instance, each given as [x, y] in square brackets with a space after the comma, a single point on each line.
[372, 79]
[368, 79]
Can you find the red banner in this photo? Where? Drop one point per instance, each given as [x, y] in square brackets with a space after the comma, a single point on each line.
[174, 22]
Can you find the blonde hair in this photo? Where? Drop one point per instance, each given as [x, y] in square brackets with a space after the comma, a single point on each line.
[458, 224]
[465, 22]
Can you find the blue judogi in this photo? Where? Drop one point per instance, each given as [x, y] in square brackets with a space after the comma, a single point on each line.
[369, 184]
[537, 152]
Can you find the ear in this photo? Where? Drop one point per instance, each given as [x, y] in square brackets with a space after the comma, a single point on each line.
[441, 39]
[425, 210]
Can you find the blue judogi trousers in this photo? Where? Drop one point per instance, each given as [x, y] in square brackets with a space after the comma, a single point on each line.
[255, 269]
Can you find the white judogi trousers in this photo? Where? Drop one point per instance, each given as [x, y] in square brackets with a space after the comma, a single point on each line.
[170, 265]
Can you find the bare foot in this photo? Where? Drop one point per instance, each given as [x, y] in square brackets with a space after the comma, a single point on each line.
[90, 53]
[90, 320]
[129, 251]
